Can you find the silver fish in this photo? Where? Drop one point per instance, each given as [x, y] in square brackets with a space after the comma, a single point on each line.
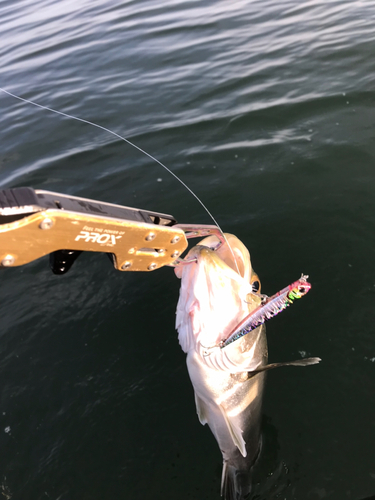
[218, 289]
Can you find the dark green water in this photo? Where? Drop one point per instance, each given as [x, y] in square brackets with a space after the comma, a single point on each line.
[267, 111]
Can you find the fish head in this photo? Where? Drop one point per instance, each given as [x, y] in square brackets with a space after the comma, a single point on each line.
[218, 289]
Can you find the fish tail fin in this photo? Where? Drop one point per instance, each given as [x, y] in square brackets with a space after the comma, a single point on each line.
[235, 484]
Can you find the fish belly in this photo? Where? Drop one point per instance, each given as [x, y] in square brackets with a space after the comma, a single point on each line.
[231, 405]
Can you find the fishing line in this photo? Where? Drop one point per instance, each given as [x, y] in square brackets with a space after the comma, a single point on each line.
[130, 144]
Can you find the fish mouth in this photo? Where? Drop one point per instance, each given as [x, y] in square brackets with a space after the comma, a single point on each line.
[230, 260]
[232, 257]
[215, 263]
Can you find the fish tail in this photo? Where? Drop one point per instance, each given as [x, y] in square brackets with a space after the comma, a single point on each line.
[235, 484]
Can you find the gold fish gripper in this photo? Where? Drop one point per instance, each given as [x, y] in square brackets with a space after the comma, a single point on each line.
[35, 223]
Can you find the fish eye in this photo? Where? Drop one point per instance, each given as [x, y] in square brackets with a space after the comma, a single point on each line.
[301, 289]
[255, 283]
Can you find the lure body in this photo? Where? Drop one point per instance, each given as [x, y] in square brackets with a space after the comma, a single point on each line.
[270, 308]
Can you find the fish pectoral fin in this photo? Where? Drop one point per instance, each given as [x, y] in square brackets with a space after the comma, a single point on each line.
[298, 362]
[235, 432]
[200, 409]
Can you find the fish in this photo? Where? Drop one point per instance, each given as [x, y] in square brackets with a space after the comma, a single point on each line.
[219, 289]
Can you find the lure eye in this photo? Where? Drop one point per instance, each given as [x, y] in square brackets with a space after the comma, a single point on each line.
[301, 289]
[255, 283]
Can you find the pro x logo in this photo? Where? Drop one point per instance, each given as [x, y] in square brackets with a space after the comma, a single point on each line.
[103, 239]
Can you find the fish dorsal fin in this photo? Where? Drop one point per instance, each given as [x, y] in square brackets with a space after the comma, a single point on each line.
[235, 432]
[200, 409]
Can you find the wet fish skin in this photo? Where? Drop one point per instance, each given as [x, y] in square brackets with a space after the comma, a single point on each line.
[241, 400]
[211, 303]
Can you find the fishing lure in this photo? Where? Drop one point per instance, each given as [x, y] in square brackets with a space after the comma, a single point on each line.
[268, 309]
